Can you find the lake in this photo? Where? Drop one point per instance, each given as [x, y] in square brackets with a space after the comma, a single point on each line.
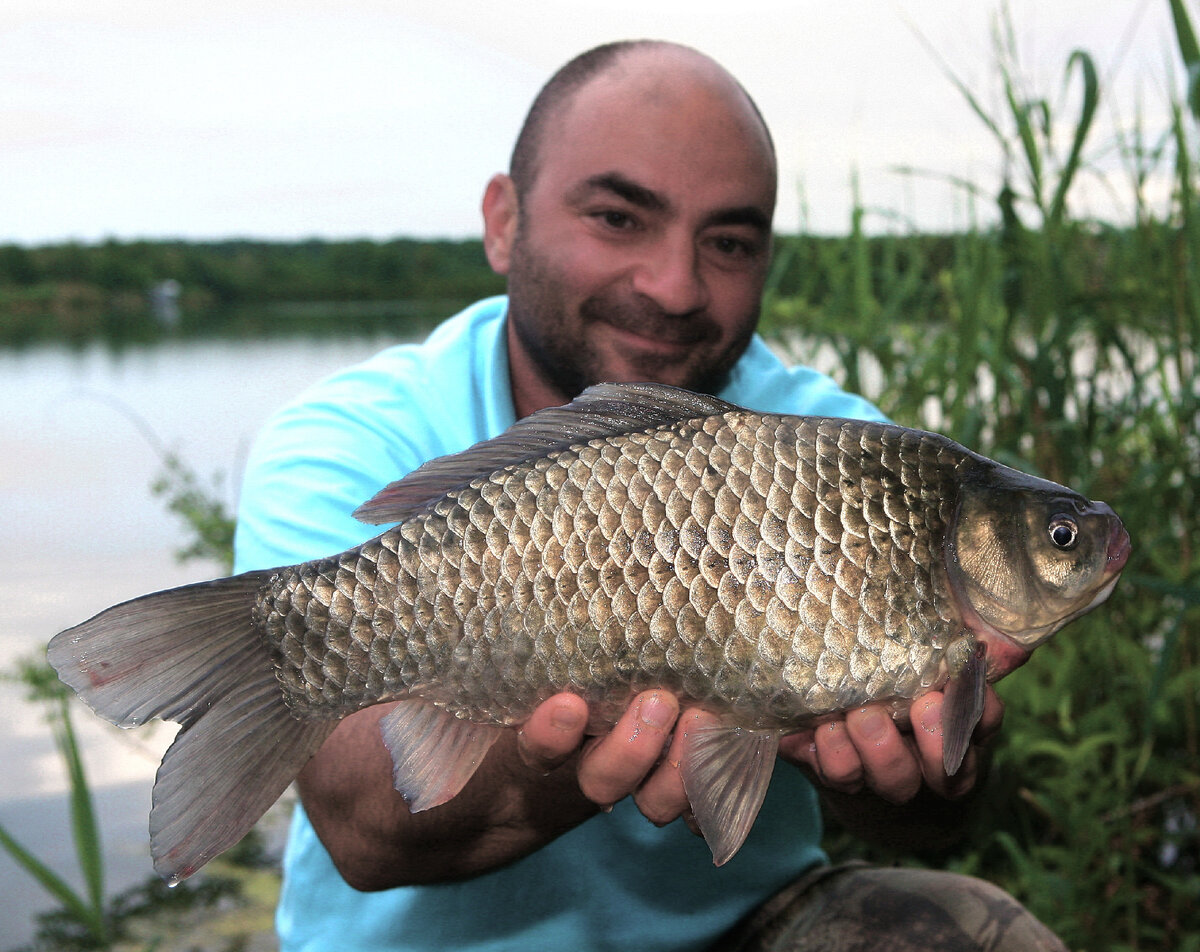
[81, 530]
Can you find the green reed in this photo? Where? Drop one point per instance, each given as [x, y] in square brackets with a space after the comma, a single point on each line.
[86, 910]
[1067, 347]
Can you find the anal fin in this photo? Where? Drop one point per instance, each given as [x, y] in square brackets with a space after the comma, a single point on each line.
[965, 694]
[726, 771]
[434, 753]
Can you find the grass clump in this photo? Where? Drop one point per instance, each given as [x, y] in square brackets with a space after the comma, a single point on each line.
[1069, 348]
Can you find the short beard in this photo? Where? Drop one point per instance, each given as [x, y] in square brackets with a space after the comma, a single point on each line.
[568, 363]
[535, 311]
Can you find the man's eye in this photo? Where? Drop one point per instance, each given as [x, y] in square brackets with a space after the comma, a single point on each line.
[733, 247]
[615, 219]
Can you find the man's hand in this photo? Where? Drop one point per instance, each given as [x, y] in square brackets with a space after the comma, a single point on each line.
[627, 761]
[518, 802]
[866, 750]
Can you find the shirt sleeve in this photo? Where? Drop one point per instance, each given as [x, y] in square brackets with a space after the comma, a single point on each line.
[364, 427]
[311, 467]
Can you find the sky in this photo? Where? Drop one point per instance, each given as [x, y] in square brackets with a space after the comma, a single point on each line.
[337, 119]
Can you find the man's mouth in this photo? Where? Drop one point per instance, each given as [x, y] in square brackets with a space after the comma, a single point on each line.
[654, 331]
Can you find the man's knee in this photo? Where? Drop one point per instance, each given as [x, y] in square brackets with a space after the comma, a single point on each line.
[859, 908]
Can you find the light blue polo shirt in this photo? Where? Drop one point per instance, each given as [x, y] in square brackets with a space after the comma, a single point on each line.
[614, 882]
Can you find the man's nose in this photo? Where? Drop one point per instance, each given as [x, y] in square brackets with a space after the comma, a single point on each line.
[670, 276]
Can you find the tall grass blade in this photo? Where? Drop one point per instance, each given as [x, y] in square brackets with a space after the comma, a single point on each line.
[1022, 113]
[1184, 33]
[1190, 51]
[84, 826]
[1091, 99]
[52, 883]
[963, 89]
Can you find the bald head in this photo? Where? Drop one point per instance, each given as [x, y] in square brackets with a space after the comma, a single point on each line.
[642, 71]
[634, 227]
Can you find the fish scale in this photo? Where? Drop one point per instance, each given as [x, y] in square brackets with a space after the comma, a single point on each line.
[707, 557]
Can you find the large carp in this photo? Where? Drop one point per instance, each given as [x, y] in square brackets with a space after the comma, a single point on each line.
[771, 569]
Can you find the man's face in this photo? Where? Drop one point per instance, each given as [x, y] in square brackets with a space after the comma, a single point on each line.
[643, 244]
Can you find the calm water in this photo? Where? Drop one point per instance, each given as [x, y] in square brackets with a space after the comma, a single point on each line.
[80, 530]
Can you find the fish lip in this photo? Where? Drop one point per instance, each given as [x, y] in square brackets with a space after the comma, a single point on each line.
[1119, 547]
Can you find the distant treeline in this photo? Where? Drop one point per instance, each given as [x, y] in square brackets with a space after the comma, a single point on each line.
[255, 272]
[78, 292]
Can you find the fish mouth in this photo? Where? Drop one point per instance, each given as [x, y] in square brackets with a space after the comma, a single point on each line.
[1119, 548]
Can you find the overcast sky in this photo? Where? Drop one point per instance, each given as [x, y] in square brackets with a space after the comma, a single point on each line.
[378, 118]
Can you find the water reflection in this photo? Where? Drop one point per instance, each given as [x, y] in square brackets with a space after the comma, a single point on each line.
[79, 527]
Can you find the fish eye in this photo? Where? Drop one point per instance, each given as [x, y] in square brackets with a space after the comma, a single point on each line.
[1064, 532]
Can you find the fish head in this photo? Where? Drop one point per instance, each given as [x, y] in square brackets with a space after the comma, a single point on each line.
[1025, 556]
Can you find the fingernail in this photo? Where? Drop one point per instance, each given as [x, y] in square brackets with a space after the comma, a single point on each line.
[565, 719]
[656, 713]
[872, 724]
[839, 739]
[931, 717]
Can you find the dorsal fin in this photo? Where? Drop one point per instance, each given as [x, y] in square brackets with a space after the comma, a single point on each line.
[606, 409]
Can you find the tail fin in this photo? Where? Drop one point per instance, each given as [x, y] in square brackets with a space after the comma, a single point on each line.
[192, 655]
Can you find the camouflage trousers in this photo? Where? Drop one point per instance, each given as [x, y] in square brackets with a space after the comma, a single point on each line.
[860, 908]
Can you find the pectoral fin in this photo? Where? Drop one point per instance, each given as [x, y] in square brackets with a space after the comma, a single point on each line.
[963, 706]
[725, 772]
[434, 753]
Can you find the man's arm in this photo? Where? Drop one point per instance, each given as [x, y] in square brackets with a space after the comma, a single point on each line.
[540, 782]
[532, 787]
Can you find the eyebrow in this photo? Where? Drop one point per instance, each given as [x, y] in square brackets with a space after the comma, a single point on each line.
[642, 197]
[750, 215]
[624, 188]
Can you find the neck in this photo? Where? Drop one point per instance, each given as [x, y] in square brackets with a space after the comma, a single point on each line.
[530, 390]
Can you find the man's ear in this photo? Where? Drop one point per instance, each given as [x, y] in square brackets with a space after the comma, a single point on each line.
[499, 221]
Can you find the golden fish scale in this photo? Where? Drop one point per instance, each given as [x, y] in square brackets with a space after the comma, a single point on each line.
[767, 567]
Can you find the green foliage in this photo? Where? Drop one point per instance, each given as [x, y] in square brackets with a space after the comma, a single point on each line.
[1068, 348]
[208, 520]
[135, 919]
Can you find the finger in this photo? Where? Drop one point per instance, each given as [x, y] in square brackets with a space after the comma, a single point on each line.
[926, 716]
[616, 764]
[891, 767]
[553, 732]
[927, 731]
[661, 797]
[800, 748]
[838, 763]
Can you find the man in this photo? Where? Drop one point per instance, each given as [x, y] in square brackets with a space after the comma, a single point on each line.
[634, 230]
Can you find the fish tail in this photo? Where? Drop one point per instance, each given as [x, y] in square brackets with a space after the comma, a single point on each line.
[193, 655]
